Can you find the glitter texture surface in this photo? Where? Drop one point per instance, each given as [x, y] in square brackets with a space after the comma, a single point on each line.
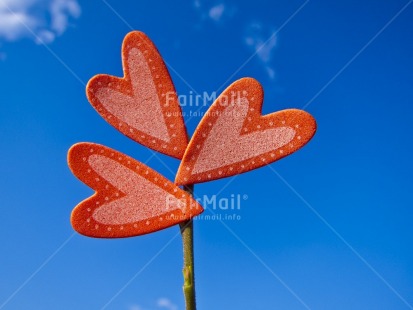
[131, 199]
[233, 137]
[143, 105]
[140, 110]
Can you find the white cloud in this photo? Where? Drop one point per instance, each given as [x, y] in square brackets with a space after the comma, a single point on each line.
[40, 20]
[217, 13]
[262, 40]
[166, 304]
[161, 303]
[60, 11]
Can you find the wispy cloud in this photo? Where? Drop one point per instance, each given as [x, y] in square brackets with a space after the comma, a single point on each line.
[161, 304]
[216, 13]
[165, 303]
[40, 20]
[262, 40]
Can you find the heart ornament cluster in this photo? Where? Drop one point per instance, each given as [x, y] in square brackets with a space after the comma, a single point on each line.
[233, 137]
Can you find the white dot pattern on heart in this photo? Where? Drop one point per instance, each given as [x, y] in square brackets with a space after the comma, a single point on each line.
[142, 200]
[143, 110]
[221, 147]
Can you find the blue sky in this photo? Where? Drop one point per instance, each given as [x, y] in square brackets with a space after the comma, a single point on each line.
[328, 227]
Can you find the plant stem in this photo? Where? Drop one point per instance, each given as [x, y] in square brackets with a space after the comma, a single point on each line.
[188, 271]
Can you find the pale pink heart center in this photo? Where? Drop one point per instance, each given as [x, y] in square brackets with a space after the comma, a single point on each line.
[141, 110]
[225, 145]
[143, 199]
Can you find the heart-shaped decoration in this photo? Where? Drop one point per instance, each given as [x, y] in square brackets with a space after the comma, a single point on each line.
[130, 200]
[143, 105]
[233, 137]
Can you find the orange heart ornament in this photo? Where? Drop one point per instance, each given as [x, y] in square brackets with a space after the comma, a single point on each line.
[131, 199]
[234, 137]
[143, 105]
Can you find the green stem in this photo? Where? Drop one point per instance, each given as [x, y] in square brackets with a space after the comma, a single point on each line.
[187, 232]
